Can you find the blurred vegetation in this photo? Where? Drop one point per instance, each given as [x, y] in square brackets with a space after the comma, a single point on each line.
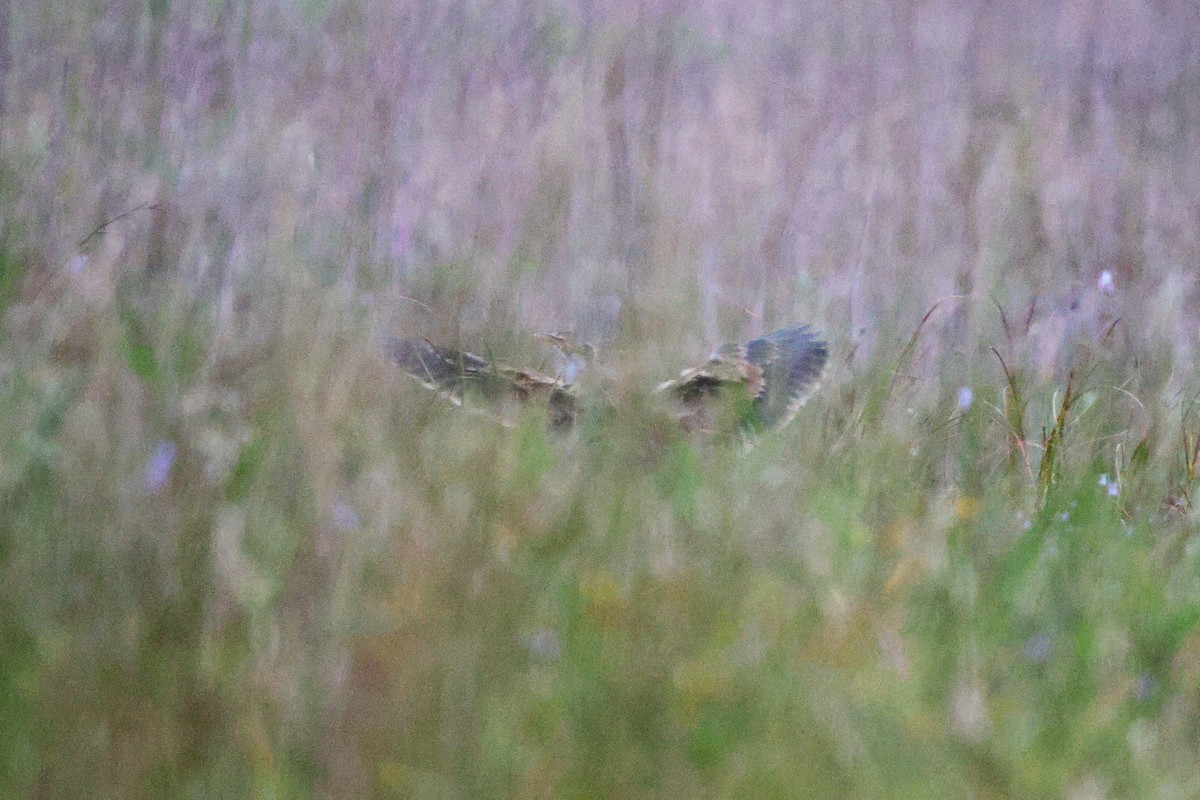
[242, 557]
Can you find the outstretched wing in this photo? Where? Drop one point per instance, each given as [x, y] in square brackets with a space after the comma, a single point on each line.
[443, 370]
[458, 375]
[792, 362]
[762, 384]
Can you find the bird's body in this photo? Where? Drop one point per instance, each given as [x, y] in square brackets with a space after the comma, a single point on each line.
[741, 389]
[462, 377]
[761, 384]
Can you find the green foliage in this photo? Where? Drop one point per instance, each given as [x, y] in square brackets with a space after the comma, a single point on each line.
[242, 556]
[621, 611]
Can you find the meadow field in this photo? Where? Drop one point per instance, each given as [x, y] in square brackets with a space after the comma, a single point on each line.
[243, 556]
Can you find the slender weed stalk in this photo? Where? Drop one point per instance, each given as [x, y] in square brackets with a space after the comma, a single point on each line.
[1190, 446]
[1014, 415]
[1054, 442]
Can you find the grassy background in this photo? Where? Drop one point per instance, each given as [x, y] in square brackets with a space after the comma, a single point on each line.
[242, 557]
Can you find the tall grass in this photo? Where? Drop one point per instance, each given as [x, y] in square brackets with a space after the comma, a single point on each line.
[243, 556]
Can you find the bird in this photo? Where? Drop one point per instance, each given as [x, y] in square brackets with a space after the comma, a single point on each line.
[463, 377]
[762, 384]
[741, 389]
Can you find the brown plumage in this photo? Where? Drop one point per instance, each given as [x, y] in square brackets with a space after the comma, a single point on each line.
[463, 377]
[742, 389]
[753, 386]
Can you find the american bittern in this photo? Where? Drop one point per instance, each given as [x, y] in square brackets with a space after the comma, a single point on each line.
[748, 387]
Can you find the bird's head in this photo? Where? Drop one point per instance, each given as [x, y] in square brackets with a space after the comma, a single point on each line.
[578, 354]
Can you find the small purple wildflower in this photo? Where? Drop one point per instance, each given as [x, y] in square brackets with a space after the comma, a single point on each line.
[1037, 648]
[404, 221]
[344, 515]
[965, 398]
[158, 466]
[1105, 283]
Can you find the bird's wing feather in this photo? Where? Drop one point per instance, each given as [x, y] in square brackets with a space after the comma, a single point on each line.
[451, 373]
[779, 372]
[435, 368]
[765, 381]
[792, 361]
